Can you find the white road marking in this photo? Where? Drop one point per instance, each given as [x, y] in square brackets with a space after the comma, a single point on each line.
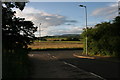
[53, 56]
[31, 55]
[97, 75]
[83, 70]
[70, 65]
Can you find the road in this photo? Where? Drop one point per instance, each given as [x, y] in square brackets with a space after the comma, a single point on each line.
[62, 64]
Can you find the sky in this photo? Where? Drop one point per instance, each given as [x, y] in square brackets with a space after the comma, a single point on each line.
[57, 18]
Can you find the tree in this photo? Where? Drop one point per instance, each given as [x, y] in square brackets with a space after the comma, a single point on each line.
[16, 32]
[104, 38]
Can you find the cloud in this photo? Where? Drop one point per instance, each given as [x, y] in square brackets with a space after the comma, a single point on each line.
[49, 22]
[66, 30]
[108, 12]
[46, 19]
[60, 30]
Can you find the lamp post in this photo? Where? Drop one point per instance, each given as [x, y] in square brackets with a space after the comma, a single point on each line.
[86, 25]
[118, 8]
[39, 32]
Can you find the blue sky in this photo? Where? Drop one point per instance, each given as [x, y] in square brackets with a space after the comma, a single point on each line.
[58, 18]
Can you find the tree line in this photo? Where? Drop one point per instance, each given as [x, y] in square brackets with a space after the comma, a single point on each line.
[104, 38]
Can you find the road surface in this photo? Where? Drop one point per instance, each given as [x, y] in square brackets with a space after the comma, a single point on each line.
[62, 64]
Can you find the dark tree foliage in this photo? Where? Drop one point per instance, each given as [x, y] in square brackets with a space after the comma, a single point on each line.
[16, 32]
[104, 38]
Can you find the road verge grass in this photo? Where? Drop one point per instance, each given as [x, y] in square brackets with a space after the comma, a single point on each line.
[98, 57]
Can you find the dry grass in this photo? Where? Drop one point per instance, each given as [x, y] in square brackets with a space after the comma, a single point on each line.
[56, 44]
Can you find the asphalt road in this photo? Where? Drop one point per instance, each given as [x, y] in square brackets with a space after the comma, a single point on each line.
[62, 64]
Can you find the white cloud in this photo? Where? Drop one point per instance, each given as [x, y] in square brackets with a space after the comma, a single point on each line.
[60, 30]
[48, 21]
[38, 16]
[65, 30]
[109, 12]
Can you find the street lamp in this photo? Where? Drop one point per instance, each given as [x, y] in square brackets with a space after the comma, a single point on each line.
[39, 32]
[86, 25]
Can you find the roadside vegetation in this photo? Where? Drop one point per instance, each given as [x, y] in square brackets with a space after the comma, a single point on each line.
[18, 36]
[104, 38]
[17, 33]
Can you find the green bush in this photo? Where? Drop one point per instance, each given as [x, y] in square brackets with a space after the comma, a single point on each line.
[104, 38]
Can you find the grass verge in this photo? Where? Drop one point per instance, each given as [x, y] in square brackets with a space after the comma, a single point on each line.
[98, 57]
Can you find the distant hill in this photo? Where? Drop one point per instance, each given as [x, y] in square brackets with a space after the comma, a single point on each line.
[64, 36]
[70, 35]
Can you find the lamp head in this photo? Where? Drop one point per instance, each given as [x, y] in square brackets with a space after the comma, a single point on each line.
[81, 5]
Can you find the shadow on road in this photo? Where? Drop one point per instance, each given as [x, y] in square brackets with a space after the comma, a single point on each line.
[62, 64]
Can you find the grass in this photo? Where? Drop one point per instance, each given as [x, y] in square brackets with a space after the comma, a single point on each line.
[68, 45]
[56, 45]
[100, 57]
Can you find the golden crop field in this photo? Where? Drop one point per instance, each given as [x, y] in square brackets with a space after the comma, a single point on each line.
[52, 39]
[56, 44]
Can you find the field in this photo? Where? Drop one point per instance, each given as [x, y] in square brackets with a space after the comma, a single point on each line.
[56, 45]
[52, 39]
